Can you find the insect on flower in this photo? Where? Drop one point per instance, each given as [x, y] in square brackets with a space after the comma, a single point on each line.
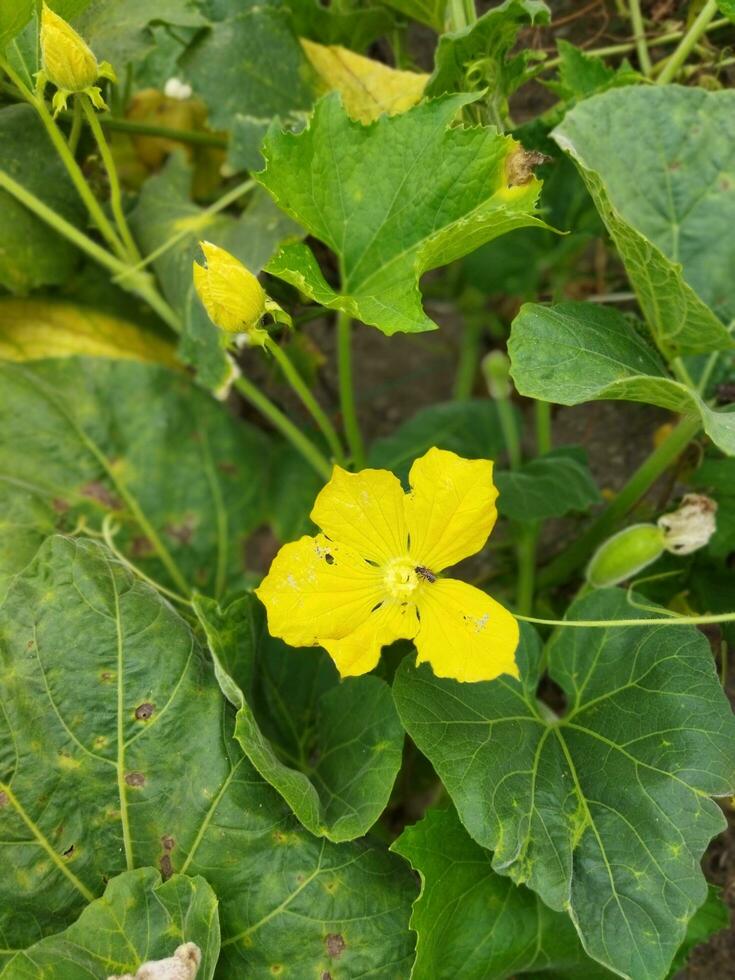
[372, 575]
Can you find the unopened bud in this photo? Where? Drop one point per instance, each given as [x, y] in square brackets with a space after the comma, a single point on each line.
[691, 526]
[496, 368]
[624, 554]
[232, 296]
[68, 62]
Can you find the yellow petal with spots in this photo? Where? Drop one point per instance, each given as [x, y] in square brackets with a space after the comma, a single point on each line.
[451, 509]
[464, 633]
[359, 652]
[368, 88]
[365, 511]
[317, 589]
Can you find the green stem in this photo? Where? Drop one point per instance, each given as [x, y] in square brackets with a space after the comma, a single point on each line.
[135, 128]
[141, 284]
[115, 189]
[627, 46]
[347, 390]
[67, 158]
[285, 426]
[219, 205]
[639, 36]
[526, 554]
[679, 369]
[469, 358]
[76, 128]
[310, 403]
[651, 621]
[510, 431]
[456, 15]
[542, 420]
[688, 42]
[565, 564]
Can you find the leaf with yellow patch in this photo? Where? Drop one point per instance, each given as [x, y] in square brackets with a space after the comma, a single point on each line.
[32, 329]
[368, 88]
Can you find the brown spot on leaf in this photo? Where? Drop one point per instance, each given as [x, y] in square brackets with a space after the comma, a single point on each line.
[106, 676]
[3, 799]
[69, 851]
[144, 711]
[335, 945]
[229, 468]
[96, 490]
[168, 843]
[519, 165]
[276, 968]
[141, 547]
[59, 505]
[326, 975]
[135, 779]
[167, 869]
[183, 531]
[29, 645]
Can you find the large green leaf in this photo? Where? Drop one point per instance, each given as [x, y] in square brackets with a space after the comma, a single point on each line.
[429, 12]
[165, 210]
[668, 202]
[90, 437]
[118, 753]
[31, 253]
[138, 918]
[250, 64]
[331, 749]
[603, 812]
[575, 352]
[475, 924]
[392, 200]
[478, 57]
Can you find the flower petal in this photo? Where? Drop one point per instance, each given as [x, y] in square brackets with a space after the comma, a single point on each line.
[316, 589]
[359, 652]
[365, 511]
[451, 508]
[464, 633]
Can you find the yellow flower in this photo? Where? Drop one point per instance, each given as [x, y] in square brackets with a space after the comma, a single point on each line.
[232, 296]
[68, 62]
[372, 576]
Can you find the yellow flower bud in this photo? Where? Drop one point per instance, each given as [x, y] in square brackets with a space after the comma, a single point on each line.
[232, 296]
[68, 63]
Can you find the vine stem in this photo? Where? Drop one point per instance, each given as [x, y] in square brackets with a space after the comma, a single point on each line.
[639, 36]
[347, 390]
[111, 168]
[310, 403]
[67, 158]
[285, 426]
[565, 564]
[76, 127]
[141, 284]
[542, 421]
[651, 621]
[691, 38]
[469, 357]
[165, 132]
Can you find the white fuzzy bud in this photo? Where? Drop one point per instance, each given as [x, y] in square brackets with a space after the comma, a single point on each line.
[691, 526]
[183, 965]
[176, 89]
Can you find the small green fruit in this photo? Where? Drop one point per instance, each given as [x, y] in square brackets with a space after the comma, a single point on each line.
[624, 554]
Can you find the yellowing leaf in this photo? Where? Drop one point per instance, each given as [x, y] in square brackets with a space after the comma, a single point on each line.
[34, 329]
[367, 87]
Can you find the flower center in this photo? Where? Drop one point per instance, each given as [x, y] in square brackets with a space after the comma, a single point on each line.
[400, 578]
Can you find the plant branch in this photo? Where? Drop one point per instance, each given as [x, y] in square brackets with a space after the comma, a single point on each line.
[347, 390]
[674, 64]
[639, 36]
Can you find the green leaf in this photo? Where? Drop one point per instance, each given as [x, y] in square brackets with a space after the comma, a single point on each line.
[392, 200]
[138, 918]
[31, 253]
[94, 437]
[717, 478]
[474, 924]
[709, 918]
[294, 485]
[469, 428]
[165, 210]
[122, 33]
[429, 12]
[123, 756]
[250, 64]
[552, 485]
[354, 28]
[582, 75]
[727, 7]
[478, 57]
[603, 812]
[575, 352]
[331, 749]
[668, 202]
